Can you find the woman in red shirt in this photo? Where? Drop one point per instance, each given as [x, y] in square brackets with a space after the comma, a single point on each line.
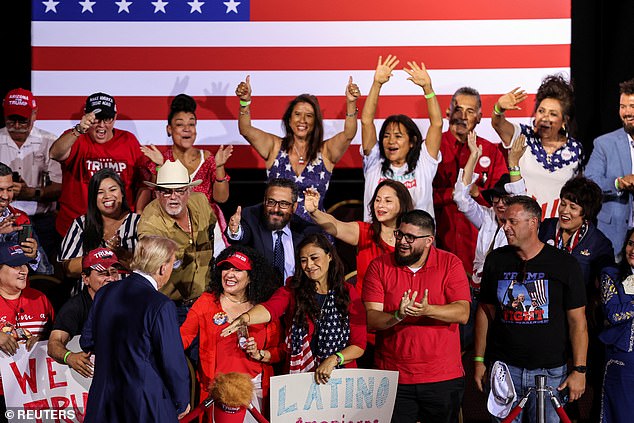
[242, 278]
[324, 315]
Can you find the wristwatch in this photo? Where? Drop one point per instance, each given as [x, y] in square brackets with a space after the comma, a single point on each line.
[580, 369]
[38, 193]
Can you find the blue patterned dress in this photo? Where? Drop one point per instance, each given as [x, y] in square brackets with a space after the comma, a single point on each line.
[315, 175]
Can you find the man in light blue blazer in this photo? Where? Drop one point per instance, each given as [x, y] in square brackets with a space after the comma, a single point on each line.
[141, 374]
[610, 166]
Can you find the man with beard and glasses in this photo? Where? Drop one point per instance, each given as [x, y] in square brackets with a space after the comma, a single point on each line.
[186, 218]
[272, 227]
[37, 178]
[610, 166]
[454, 232]
[415, 299]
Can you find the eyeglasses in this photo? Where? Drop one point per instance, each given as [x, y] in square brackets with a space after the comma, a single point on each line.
[165, 192]
[17, 122]
[409, 238]
[269, 202]
[107, 121]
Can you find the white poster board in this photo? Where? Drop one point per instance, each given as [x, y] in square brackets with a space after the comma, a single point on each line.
[38, 389]
[358, 395]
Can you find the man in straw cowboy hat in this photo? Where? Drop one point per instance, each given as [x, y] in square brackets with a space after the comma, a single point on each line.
[185, 217]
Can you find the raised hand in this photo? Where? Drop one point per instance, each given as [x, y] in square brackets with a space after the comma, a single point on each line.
[474, 148]
[311, 199]
[87, 121]
[384, 70]
[418, 74]
[29, 246]
[244, 89]
[234, 221]
[518, 147]
[153, 153]
[352, 91]
[223, 154]
[510, 100]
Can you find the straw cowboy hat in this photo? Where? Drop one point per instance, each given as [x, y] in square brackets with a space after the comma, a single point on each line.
[173, 175]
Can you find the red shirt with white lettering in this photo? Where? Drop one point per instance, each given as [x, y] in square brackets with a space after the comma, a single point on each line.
[122, 154]
[31, 310]
[422, 350]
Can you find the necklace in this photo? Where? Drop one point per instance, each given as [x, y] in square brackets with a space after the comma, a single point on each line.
[301, 160]
[234, 301]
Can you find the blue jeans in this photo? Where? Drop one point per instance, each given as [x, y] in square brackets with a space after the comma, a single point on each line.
[524, 379]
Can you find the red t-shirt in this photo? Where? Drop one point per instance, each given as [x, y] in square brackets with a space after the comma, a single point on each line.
[31, 309]
[368, 250]
[454, 232]
[422, 350]
[122, 154]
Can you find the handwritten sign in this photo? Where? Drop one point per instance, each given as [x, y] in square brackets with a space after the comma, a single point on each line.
[358, 395]
[39, 389]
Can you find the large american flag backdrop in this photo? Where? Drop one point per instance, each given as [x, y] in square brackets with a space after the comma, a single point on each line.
[144, 52]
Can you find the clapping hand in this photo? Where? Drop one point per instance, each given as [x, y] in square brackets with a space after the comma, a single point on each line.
[518, 147]
[153, 153]
[234, 221]
[406, 301]
[384, 70]
[223, 154]
[474, 148]
[244, 89]
[415, 309]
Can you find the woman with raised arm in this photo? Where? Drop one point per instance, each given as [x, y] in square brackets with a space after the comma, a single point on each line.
[554, 156]
[399, 152]
[325, 318]
[390, 200]
[301, 155]
[201, 164]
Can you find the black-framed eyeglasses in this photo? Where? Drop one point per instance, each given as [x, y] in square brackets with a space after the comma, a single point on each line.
[409, 238]
[166, 192]
[269, 202]
[107, 121]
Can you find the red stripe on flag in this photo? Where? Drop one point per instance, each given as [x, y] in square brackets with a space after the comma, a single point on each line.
[214, 108]
[362, 10]
[295, 58]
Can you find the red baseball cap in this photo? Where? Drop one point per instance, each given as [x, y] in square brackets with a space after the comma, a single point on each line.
[19, 102]
[100, 259]
[237, 260]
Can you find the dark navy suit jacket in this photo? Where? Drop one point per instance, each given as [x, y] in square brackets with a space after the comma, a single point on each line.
[141, 374]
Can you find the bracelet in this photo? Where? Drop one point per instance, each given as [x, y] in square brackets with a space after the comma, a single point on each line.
[247, 314]
[222, 180]
[497, 110]
[244, 103]
[356, 111]
[396, 316]
[244, 113]
[78, 129]
[261, 355]
[515, 173]
[430, 95]
[513, 168]
[66, 356]
[341, 358]
[478, 359]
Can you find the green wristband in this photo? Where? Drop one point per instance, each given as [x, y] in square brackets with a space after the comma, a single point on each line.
[244, 103]
[497, 110]
[396, 316]
[430, 95]
[66, 356]
[478, 359]
[515, 173]
[341, 358]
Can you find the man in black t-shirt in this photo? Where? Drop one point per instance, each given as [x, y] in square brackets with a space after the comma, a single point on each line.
[100, 266]
[531, 341]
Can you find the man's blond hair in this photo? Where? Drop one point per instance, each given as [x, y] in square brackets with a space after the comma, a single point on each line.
[151, 253]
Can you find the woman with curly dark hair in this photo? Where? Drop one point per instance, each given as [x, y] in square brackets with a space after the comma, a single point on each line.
[108, 223]
[325, 318]
[553, 155]
[242, 278]
[400, 152]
